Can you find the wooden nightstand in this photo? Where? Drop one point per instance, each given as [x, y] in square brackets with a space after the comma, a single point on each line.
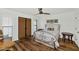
[70, 35]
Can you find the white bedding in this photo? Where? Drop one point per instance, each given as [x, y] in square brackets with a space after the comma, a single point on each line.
[47, 37]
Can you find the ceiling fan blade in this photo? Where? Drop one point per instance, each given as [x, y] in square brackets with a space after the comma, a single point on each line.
[41, 12]
[47, 13]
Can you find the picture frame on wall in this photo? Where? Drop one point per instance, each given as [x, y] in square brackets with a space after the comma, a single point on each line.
[52, 21]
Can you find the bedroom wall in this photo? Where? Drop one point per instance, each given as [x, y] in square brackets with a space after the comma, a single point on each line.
[0, 22]
[77, 28]
[67, 22]
[14, 17]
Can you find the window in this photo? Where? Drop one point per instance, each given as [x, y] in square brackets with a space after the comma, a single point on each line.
[7, 26]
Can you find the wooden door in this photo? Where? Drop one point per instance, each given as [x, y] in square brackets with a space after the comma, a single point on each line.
[28, 27]
[21, 27]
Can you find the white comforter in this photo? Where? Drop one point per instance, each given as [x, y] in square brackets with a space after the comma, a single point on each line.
[47, 37]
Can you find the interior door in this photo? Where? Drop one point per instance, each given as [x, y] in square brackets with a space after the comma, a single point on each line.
[21, 27]
[28, 27]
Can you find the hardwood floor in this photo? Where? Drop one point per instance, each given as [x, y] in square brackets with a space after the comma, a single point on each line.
[31, 45]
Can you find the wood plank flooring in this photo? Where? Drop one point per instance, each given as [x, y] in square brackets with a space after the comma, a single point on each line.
[31, 45]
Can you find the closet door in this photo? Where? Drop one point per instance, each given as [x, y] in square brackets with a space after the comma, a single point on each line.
[21, 28]
[28, 27]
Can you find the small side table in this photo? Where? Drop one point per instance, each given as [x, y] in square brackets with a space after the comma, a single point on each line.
[70, 35]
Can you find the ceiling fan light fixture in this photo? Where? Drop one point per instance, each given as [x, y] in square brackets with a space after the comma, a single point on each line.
[41, 12]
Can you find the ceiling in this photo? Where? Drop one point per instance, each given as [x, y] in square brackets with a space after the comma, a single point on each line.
[33, 11]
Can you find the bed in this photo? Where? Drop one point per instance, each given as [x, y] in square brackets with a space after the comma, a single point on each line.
[48, 37]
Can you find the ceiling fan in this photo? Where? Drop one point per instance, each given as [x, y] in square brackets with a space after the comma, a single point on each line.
[41, 11]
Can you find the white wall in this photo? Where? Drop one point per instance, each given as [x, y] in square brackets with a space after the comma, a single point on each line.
[41, 21]
[67, 22]
[77, 28]
[0, 22]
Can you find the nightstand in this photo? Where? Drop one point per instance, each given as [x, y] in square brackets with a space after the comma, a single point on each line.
[69, 35]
